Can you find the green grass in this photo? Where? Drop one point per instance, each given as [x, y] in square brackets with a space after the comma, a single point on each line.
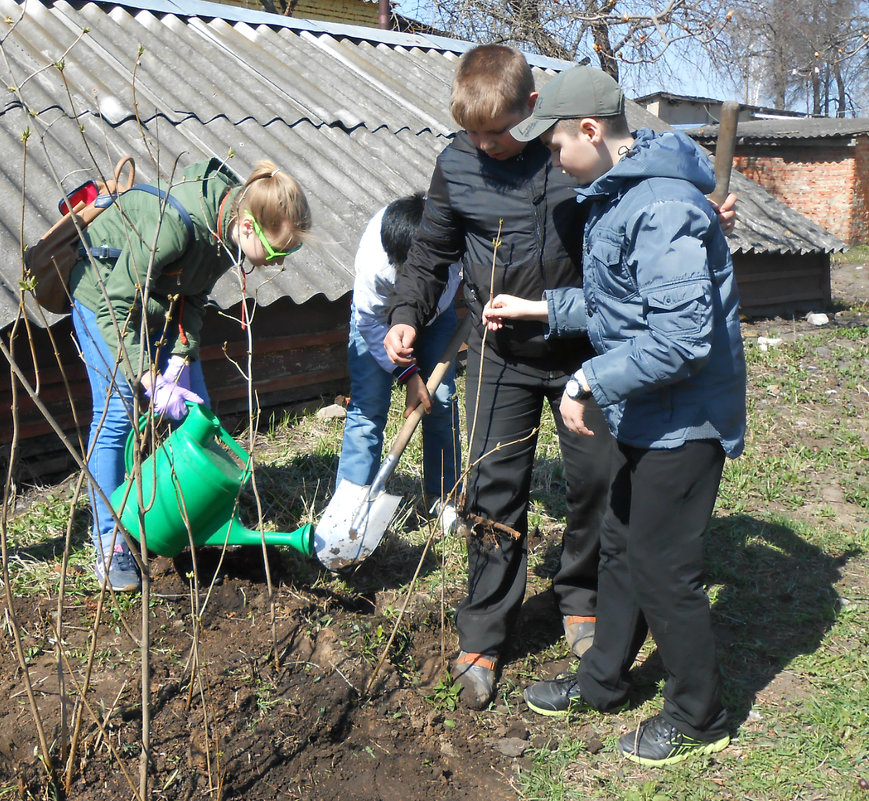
[856, 254]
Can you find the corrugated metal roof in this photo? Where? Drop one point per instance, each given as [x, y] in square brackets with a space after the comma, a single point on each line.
[643, 99]
[358, 115]
[791, 128]
[675, 99]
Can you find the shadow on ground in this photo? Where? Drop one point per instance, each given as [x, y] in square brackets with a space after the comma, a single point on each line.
[777, 601]
[773, 599]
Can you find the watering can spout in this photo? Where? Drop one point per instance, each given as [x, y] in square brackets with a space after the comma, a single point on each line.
[191, 483]
[233, 532]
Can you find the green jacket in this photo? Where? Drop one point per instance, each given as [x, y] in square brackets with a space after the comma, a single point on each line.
[182, 273]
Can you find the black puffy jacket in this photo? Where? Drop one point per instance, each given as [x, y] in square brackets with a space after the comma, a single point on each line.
[540, 245]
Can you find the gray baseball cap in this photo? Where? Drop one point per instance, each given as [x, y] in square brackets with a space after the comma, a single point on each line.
[572, 94]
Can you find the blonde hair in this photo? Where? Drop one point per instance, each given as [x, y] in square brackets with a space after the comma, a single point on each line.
[272, 195]
[490, 80]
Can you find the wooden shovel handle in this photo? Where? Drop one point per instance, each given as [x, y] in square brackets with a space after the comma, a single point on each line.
[724, 150]
[434, 381]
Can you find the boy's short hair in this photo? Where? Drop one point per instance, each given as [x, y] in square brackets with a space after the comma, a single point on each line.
[616, 126]
[399, 223]
[573, 94]
[490, 80]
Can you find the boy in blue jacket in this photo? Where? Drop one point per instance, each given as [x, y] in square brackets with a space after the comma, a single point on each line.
[660, 305]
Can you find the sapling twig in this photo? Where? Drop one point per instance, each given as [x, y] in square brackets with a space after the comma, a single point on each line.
[96, 718]
[7, 587]
[496, 243]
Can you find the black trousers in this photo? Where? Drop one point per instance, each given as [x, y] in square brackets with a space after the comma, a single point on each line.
[651, 579]
[511, 397]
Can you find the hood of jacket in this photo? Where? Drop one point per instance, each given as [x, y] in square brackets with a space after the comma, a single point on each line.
[667, 155]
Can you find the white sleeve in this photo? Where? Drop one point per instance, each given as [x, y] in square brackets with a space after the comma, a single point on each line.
[375, 277]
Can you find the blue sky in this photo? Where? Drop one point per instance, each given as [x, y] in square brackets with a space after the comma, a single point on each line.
[637, 81]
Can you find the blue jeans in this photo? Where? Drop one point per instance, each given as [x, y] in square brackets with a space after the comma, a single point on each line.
[111, 393]
[370, 395]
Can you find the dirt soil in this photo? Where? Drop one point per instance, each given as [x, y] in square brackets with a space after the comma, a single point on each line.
[301, 726]
[295, 722]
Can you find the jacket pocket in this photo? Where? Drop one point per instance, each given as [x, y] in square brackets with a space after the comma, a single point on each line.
[678, 308]
[606, 270]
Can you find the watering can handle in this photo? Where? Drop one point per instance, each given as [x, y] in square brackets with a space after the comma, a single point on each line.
[224, 435]
[240, 452]
[131, 441]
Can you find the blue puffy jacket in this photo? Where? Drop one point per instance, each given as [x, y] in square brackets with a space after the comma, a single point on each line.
[659, 301]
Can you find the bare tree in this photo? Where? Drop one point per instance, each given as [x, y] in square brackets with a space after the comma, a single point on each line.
[812, 53]
[611, 32]
[787, 53]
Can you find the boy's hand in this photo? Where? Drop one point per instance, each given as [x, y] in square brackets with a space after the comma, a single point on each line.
[573, 414]
[416, 394]
[726, 213]
[509, 307]
[398, 343]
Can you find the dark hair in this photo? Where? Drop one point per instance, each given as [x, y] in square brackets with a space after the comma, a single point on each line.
[398, 226]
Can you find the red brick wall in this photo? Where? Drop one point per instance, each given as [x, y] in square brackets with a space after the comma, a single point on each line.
[828, 183]
[353, 12]
[860, 219]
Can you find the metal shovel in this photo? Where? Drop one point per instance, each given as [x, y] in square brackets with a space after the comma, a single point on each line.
[356, 517]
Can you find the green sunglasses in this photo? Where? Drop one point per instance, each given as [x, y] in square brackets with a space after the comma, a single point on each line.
[271, 253]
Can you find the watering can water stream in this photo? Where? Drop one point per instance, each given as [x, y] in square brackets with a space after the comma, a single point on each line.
[195, 475]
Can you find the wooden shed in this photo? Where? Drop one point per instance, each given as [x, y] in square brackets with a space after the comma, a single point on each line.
[818, 166]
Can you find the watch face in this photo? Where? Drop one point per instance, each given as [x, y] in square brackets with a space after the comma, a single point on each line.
[572, 388]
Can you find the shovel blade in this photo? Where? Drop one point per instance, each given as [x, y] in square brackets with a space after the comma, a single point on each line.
[336, 543]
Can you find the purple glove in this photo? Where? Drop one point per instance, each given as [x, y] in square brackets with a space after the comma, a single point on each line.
[170, 398]
[178, 371]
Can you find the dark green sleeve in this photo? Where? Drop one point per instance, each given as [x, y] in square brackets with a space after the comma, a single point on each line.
[120, 317]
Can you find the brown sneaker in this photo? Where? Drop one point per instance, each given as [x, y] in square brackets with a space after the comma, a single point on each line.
[579, 633]
[475, 673]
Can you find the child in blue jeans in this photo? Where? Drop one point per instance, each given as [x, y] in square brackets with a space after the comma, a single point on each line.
[164, 273]
[382, 250]
[659, 304]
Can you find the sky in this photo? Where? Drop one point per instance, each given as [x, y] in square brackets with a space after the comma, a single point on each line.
[636, 81]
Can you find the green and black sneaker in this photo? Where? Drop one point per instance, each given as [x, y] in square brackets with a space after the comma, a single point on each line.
[560, 696]
[556, 697]
[657, 742]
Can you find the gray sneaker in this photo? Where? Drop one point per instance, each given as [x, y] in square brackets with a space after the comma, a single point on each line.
[579, 633]
[123, 573]
[475, 674]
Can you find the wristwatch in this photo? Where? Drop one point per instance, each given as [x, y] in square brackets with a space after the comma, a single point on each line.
[574, 390]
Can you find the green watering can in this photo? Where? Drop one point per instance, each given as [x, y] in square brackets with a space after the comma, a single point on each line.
[192, 474]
